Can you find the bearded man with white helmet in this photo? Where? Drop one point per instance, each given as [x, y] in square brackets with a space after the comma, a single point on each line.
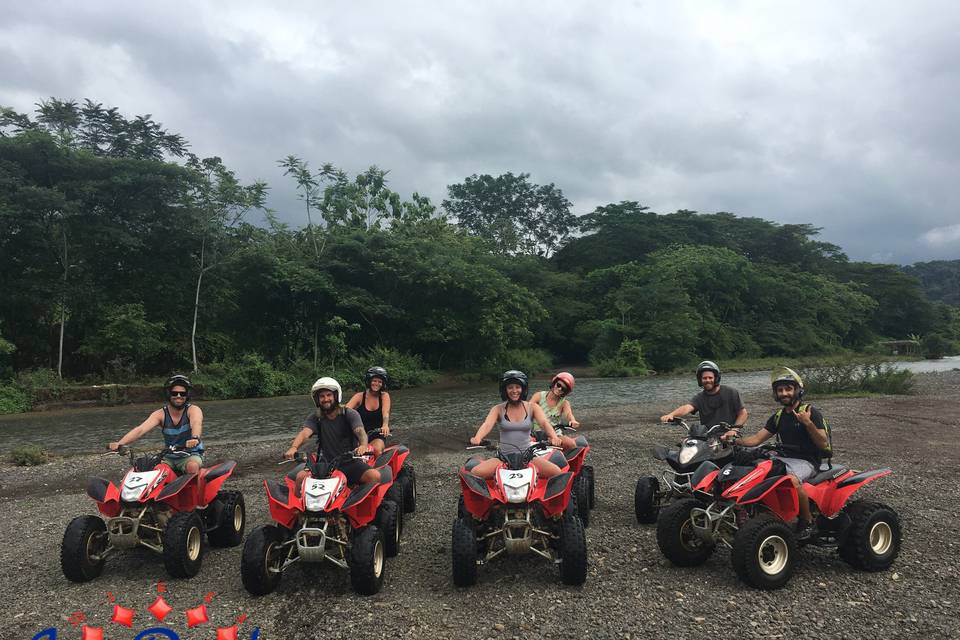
[338, 429]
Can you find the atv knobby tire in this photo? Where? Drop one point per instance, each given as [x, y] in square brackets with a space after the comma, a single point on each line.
[395, 495]
[573, 549]
[233, 518]
[408, 480]
[183, 545]
[581, 490]
[388, 521]
[645, 505]
[83, 543]
[261, 560]
[677, 540]
[367, 560]
[764, 552]
[587, 472]
[873, 539]
[464, 551]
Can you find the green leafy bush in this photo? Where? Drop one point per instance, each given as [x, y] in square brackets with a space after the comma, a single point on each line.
[530, 361]
[13, 400]
[28, 456]
[406, 370]
[627, 362]
[872, 377]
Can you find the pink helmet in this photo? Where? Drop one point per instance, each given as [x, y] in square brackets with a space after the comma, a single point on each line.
[566, 378]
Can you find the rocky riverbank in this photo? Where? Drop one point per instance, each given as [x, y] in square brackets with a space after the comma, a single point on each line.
[631, 590]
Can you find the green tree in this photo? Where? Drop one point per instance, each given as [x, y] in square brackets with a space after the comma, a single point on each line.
[511, 213]
[125, 336]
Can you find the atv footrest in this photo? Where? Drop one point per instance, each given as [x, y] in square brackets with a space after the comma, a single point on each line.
[122, 531]
[312, 544]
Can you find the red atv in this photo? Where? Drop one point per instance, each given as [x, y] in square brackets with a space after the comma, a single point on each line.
[353, 527]
[156, 509]
[396, 456]
[751, 510]
[518, 512]
[583, 482]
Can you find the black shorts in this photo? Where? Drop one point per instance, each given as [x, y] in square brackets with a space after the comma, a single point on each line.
[375, 436]
[354, 470]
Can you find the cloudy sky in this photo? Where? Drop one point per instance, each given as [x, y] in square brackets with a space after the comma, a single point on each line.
[841, 114]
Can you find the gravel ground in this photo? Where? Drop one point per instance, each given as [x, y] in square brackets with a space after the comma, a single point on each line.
[631, 590]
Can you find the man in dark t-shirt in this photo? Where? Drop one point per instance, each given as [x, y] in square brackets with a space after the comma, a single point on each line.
[714, 403]
[338, 431]
[803, 436]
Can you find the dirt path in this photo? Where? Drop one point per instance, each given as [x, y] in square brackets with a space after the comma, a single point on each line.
[631, 590]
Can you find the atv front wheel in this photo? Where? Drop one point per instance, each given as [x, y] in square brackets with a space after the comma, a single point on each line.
[408, 480]
[81, 554]
[764, 552]
[464, 551]
[233, 516]
[388, 521]
[677, 540]
[587, 472]
[873, 540]
[367, 561]
[262, 560]
[645, 505]
[573, 549]
[581, 491]
[183, 545]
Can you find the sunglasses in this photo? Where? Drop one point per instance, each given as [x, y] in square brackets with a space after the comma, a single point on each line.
[178, 394]
[560, 385]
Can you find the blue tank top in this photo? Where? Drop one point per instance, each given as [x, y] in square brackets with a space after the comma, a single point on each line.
[515, 432]
[176, 435]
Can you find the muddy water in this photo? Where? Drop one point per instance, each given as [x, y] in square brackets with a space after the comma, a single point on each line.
[424, 418]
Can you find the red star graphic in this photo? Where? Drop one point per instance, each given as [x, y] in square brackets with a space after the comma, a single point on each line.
[197, 615]
[160, 609]
[122, 615]
[92, 633]
[227, 633]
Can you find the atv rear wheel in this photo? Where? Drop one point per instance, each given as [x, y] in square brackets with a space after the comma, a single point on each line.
[183, 545]
[581, 490]
[389, 518]
[395, 495]
[262, 560]
[84, 542]
[408, 480]
[645, 505]
[587, 472]
[764, 552]
[873, 540]
[464, 551]
[367, 560]
[233, 516]
[676, 537]
[573, 549]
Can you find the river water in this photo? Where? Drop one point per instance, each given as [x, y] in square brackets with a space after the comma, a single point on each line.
[423, 418]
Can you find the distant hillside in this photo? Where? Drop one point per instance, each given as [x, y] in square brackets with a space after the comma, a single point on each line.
[940, 279]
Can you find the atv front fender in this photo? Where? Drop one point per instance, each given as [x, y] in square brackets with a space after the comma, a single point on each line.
[106, 494]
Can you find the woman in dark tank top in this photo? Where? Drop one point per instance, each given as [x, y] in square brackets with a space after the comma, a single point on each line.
[373, 405]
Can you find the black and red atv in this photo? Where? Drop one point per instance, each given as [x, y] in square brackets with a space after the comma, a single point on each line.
[325, 519]
[752, 508]
[701, 443]
[518, 512]
[155, 508]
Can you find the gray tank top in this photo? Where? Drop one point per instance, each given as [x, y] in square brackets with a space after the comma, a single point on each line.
[516, 433]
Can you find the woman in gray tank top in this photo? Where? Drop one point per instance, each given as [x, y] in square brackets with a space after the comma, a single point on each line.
[515, 417]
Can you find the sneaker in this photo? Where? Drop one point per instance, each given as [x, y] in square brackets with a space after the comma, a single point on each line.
[805, 530]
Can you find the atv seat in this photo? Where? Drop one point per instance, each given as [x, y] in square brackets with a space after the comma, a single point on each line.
[829, 474]
[386, 474]
[296, 469]
[581, 441]
[471, 463]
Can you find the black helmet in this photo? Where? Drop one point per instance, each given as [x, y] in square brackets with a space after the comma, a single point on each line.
[513, 376]
[376, 372]
[178, 380]
[708, 365]
[786, 375]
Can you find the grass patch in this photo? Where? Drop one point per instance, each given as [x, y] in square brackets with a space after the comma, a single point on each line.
[857, 379]
[28, 456]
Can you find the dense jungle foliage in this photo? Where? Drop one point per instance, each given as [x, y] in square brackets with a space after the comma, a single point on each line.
[125, 256]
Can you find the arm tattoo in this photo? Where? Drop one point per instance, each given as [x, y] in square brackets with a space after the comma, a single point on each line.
[361, 435]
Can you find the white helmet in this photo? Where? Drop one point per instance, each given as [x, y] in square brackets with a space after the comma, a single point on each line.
[330, 385]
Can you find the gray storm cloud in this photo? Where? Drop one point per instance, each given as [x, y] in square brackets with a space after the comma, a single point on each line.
[836, 114]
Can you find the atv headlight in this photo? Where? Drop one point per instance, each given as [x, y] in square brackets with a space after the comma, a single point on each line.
[687, 454]
[316, 502]
[516, 494]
